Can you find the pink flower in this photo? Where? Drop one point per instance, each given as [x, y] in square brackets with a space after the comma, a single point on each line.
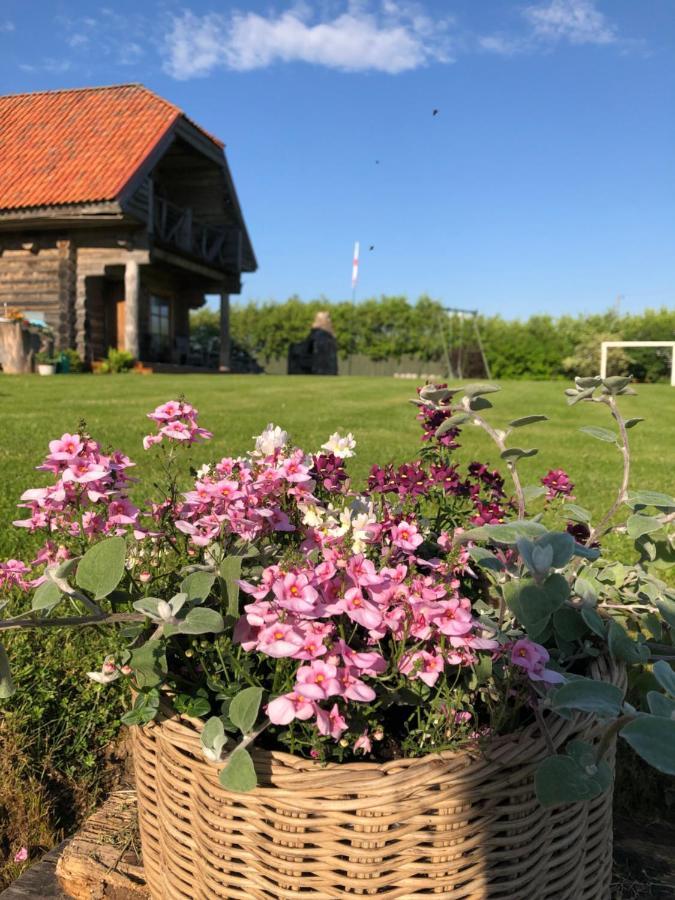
[321, 674]
[279, 640]
[363, 742]
[452, 617]
[294, 592]
[533, 657]
[68, 446]
[331, 723]
[294, 705]
[21, 855]
[423, 665]
[353, 688]
[406, 536]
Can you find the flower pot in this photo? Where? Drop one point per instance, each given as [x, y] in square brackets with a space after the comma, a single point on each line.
[458, 826]
[46, 369]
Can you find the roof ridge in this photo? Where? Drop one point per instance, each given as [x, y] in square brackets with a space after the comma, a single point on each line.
[87, 89]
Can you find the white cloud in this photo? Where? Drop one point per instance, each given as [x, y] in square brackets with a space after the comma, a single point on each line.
[576, 21]
[394, 37]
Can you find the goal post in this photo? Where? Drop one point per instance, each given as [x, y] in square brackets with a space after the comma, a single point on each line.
[607, 344]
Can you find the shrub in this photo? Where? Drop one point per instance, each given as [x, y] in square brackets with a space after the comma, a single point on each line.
[117, 361]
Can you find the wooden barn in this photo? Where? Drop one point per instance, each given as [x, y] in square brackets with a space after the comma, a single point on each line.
[117, 215]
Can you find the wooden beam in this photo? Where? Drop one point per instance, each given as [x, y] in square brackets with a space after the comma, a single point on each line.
[157, 253]
[225, 360]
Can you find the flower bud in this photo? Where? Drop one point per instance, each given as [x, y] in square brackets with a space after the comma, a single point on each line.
[164, 610]
[144, 577]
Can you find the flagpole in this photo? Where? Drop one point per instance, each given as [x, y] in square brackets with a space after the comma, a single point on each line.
[355, 278]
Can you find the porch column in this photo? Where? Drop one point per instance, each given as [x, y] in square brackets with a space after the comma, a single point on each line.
[225, 360]
[131, 292]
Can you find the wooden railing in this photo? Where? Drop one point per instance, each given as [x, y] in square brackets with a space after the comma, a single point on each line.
[174, 225]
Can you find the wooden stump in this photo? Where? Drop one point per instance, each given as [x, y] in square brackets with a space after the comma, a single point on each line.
[16, 350]
[102, 861]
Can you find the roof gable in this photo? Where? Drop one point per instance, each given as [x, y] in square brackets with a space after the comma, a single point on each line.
[78, 146]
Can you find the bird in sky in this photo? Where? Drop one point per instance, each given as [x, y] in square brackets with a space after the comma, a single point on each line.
[435, 112]
[372, 247]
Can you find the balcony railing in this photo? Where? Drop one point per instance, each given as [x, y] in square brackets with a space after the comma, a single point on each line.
[174, 225]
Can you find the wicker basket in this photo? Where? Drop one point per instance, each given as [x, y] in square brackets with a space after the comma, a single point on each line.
[461, 826]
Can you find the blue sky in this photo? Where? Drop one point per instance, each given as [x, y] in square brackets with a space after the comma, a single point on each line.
[544, 184]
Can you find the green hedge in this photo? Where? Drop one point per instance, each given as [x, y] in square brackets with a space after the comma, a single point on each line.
[391, 327]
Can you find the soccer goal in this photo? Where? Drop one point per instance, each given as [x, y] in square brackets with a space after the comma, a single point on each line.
[607, 344]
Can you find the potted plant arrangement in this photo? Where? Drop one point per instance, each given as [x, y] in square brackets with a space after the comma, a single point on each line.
[413, 689]
[45, 362]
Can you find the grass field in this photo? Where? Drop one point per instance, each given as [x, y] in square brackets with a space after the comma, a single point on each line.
[375, 410]
[54, 732]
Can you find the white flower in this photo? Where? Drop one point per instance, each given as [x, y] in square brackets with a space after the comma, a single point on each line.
[109, 672]
[203, 471]
[340, 446]
[272, 439]
[312, 515]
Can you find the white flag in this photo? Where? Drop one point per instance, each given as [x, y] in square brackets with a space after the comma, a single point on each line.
[355, 265]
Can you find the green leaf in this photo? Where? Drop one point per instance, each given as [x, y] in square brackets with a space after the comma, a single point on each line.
[569, 623]
[561, 779]
[508, 533]
[101, 568]
[533, 491]
[212, 731]
[588, 695]
[616, 383]
[534, 604]
[666, 607]
[665, 676]
[239, 773]
[575, 397]
[602, 434]
[190, 705]
[197, 586]
[577, 513]
[485, 559]
[637, 525]
[149, 606]
[149, 664]
[511, 454]
[201, 620]
[144, 710]
[562, 545]
[245, 707]
[452, 422]
[623, 647]
[46, 597]
[586, 383]
[660, 705]
[527, 420]
[586, 590]
[7, 687]
[477, 390]
[631, 423]
[594, 621]
[478, 403]
[230, 573]
[653, 738]
[650, 498]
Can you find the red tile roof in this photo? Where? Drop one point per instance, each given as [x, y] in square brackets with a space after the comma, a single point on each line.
[77, 146]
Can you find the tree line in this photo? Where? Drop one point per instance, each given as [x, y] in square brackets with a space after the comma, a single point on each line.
[540, 347]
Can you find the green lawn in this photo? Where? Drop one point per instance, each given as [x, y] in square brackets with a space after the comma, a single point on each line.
[374, 409]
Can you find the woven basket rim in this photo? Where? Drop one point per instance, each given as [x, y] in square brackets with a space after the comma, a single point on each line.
[488, 748]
